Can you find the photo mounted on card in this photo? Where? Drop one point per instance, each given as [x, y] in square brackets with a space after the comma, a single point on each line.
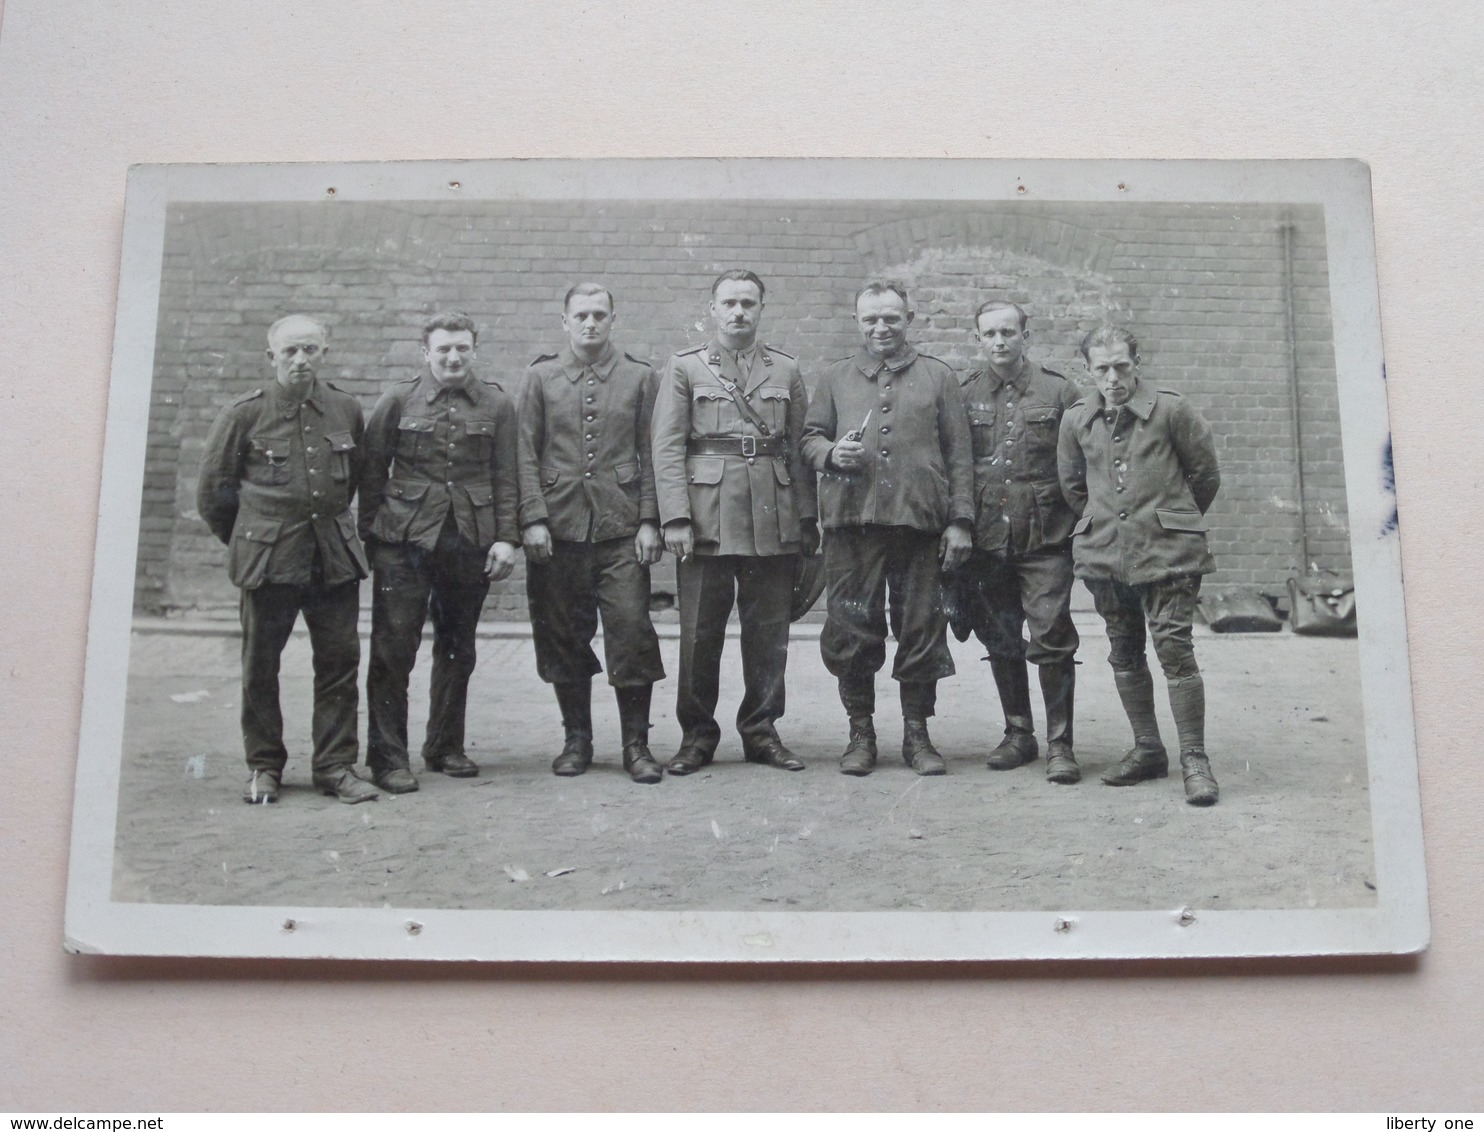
[748, 560]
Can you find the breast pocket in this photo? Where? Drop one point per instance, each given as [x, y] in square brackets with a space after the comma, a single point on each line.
[774, 401]
[712, 411]
[982, 423]
[268, 461]
[414, 437]
[342, 450]
[481, 437]
[1041, 427]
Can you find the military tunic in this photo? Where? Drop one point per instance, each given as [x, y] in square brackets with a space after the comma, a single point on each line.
[586, 472]
[1021, 568]
[440, 488]
[883, 519]
[1140, 477]
[277, 478]
[744, 508]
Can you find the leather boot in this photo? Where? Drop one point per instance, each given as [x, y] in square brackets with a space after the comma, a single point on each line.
[576, 702]
[633, 717]
[1058, 685]
[859, 758]
[1148, 758]
[919, 702]
[1200, 783]
[1018, 747]
[1188, 705]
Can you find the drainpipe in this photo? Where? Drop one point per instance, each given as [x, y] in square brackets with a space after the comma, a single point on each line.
[1295, 412]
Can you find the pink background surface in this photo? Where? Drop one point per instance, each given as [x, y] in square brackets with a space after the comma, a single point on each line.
[88, 87]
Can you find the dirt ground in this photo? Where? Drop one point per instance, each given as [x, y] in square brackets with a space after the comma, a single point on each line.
[1285, 733]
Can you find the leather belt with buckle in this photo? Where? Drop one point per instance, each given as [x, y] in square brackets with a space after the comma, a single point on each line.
[737, 446]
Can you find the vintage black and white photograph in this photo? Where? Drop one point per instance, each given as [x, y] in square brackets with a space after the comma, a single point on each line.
[750, 560]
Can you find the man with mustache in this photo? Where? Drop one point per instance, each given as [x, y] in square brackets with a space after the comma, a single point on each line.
[1138, 467]
[888, 434]
[1021, 570]
[277, 477]
[438, 510]
[590, 525]
[737, 503]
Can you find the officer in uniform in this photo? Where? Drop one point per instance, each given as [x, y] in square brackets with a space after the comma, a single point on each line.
[888, 434]
[738, 506]
[280, 468]
[590, 524]
[1138, 467]
[1021, 568]
[438, 510]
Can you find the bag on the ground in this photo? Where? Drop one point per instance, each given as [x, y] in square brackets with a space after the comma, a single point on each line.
[1320, 607]
[1239, 611]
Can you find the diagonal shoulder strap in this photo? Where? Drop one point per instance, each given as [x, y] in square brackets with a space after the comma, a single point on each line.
[740, 398]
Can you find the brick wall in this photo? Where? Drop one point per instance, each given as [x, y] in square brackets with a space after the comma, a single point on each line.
[1203, 286]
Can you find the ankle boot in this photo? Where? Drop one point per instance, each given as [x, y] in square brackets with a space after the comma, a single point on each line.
[1188, 705]
[919, 701]
[1058, 684]
[1148, 758]
[633, 717]
[1018, 747]
[859, 758]
[576, 702]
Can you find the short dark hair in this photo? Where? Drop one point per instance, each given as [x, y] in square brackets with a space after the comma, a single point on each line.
[587, 289]
[739, 275]
[1106, 337]
[451, 320]
[1000, 305]
[884, 287]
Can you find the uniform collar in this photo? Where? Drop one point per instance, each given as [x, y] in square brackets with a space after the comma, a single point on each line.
[715, 349]
[429, 387]
[1020, 382]
[1141, 404]
[288, 406]
[574, 367]
[870, 365]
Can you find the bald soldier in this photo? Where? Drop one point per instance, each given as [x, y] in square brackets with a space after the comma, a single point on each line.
[277, 478]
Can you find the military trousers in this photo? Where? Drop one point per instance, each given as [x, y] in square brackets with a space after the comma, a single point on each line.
[268, 613]
[761, 587]
[862, 564]
[1169, 608]
[411, 584]
[1025, 591]
[568, 593]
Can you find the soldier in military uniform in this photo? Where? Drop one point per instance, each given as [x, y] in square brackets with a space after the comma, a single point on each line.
[1021, 570]
[737, 503]
[590, 524]
[280, 468]
[889, 437]
[1138, 467]
[438, 511]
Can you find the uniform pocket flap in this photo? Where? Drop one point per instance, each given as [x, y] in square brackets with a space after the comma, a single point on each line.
[415, 424]
[277, 451]
[706, 469]
[1082, 525]
[773, 393]
[1042, 415]
[780, 472]
[340, 441]
[479, 428]
[709, 393]
[1181, 520]
[981, 418]
[549, 476]
[626, 473]
[406, 490]
[260, 530]
[481, 496]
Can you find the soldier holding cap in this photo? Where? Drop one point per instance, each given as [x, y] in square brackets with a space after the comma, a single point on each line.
[888, 434]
